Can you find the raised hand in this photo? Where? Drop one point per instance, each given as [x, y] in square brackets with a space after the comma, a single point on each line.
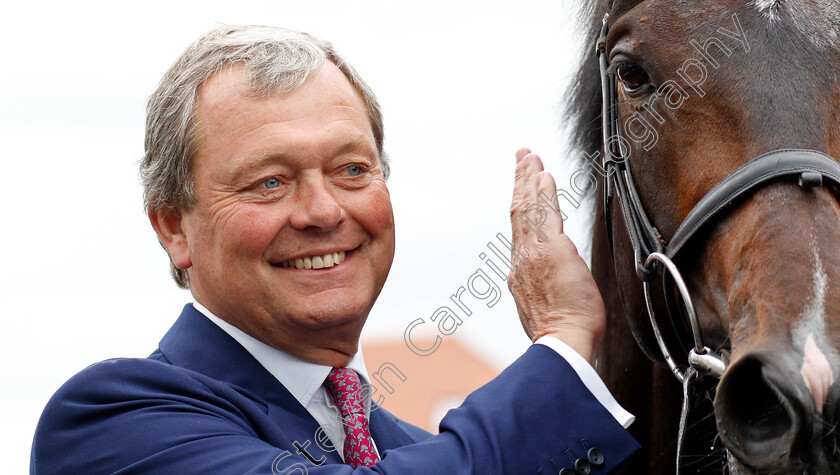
[554, 290]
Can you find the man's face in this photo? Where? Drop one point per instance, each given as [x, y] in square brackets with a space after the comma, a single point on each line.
[285, 180]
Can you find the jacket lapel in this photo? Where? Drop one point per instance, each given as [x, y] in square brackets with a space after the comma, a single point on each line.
[386, 431]
[197, 344]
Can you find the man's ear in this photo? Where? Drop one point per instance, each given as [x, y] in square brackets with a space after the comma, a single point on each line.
[167, 224]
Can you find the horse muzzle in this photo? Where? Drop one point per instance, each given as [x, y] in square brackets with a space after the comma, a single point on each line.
[769, 421]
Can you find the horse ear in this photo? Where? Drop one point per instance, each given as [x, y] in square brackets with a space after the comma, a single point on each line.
[171, 234]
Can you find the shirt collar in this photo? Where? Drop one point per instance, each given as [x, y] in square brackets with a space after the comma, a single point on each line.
[300, 377]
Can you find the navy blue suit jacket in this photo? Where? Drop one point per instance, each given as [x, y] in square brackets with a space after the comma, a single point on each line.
[202, 404]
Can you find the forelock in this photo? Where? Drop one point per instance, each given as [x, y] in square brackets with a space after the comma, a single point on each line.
[816, 20]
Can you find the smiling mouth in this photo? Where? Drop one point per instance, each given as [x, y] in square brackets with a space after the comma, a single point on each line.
[315, 262]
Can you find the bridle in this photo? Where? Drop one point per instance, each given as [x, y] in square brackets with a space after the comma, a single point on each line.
[652, 254]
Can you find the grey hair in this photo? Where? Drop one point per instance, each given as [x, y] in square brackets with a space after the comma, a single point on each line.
[276, 60]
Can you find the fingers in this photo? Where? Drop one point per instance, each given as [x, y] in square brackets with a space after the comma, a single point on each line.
[547, 187]
[520, 154]
[525, 195]
[535, 208]
[524, 185]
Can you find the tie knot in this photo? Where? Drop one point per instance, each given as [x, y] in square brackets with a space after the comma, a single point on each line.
[346, 389]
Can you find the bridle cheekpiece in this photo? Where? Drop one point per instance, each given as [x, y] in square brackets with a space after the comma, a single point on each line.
[652, 254]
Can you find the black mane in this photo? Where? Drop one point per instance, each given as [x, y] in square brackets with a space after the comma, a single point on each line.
[583, 111]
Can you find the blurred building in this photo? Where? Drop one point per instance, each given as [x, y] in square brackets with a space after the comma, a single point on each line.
[421, 389]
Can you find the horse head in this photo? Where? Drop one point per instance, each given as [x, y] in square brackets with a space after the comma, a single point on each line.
[702, 88]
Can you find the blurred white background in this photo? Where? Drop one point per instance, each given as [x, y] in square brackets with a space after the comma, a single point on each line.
[463, 84]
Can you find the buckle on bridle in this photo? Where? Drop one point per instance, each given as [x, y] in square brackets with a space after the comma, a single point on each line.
[645, 271]
[601, 44]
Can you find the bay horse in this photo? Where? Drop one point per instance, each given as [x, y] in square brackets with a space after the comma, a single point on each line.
[674, 101]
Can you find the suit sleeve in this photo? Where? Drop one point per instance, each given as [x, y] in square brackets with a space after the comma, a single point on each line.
[142, 416]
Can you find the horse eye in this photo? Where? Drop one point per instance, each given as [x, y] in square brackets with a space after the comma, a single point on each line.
[632, 77]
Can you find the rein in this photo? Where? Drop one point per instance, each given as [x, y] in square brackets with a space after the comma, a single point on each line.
[652, 254]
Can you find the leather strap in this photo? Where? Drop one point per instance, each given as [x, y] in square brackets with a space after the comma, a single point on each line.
[812, 167]
[749, 177]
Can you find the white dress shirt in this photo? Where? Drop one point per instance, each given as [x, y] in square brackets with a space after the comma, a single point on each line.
[305, 380]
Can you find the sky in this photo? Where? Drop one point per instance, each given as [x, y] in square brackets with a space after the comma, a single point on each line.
[462, 84]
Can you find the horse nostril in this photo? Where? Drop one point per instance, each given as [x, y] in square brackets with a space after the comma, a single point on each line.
[758, 419]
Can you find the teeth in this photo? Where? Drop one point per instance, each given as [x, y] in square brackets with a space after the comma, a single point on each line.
[316, 262]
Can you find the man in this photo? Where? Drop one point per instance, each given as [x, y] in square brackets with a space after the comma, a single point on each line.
[265, 182]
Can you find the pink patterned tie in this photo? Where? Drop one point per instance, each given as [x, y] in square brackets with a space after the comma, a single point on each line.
[346, 389]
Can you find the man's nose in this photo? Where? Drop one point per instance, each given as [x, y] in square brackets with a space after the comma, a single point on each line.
[316, 206]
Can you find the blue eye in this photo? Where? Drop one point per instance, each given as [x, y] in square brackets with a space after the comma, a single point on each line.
[354, 170]
[271, 182]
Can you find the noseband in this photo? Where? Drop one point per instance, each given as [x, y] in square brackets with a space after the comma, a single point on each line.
[652, 254]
